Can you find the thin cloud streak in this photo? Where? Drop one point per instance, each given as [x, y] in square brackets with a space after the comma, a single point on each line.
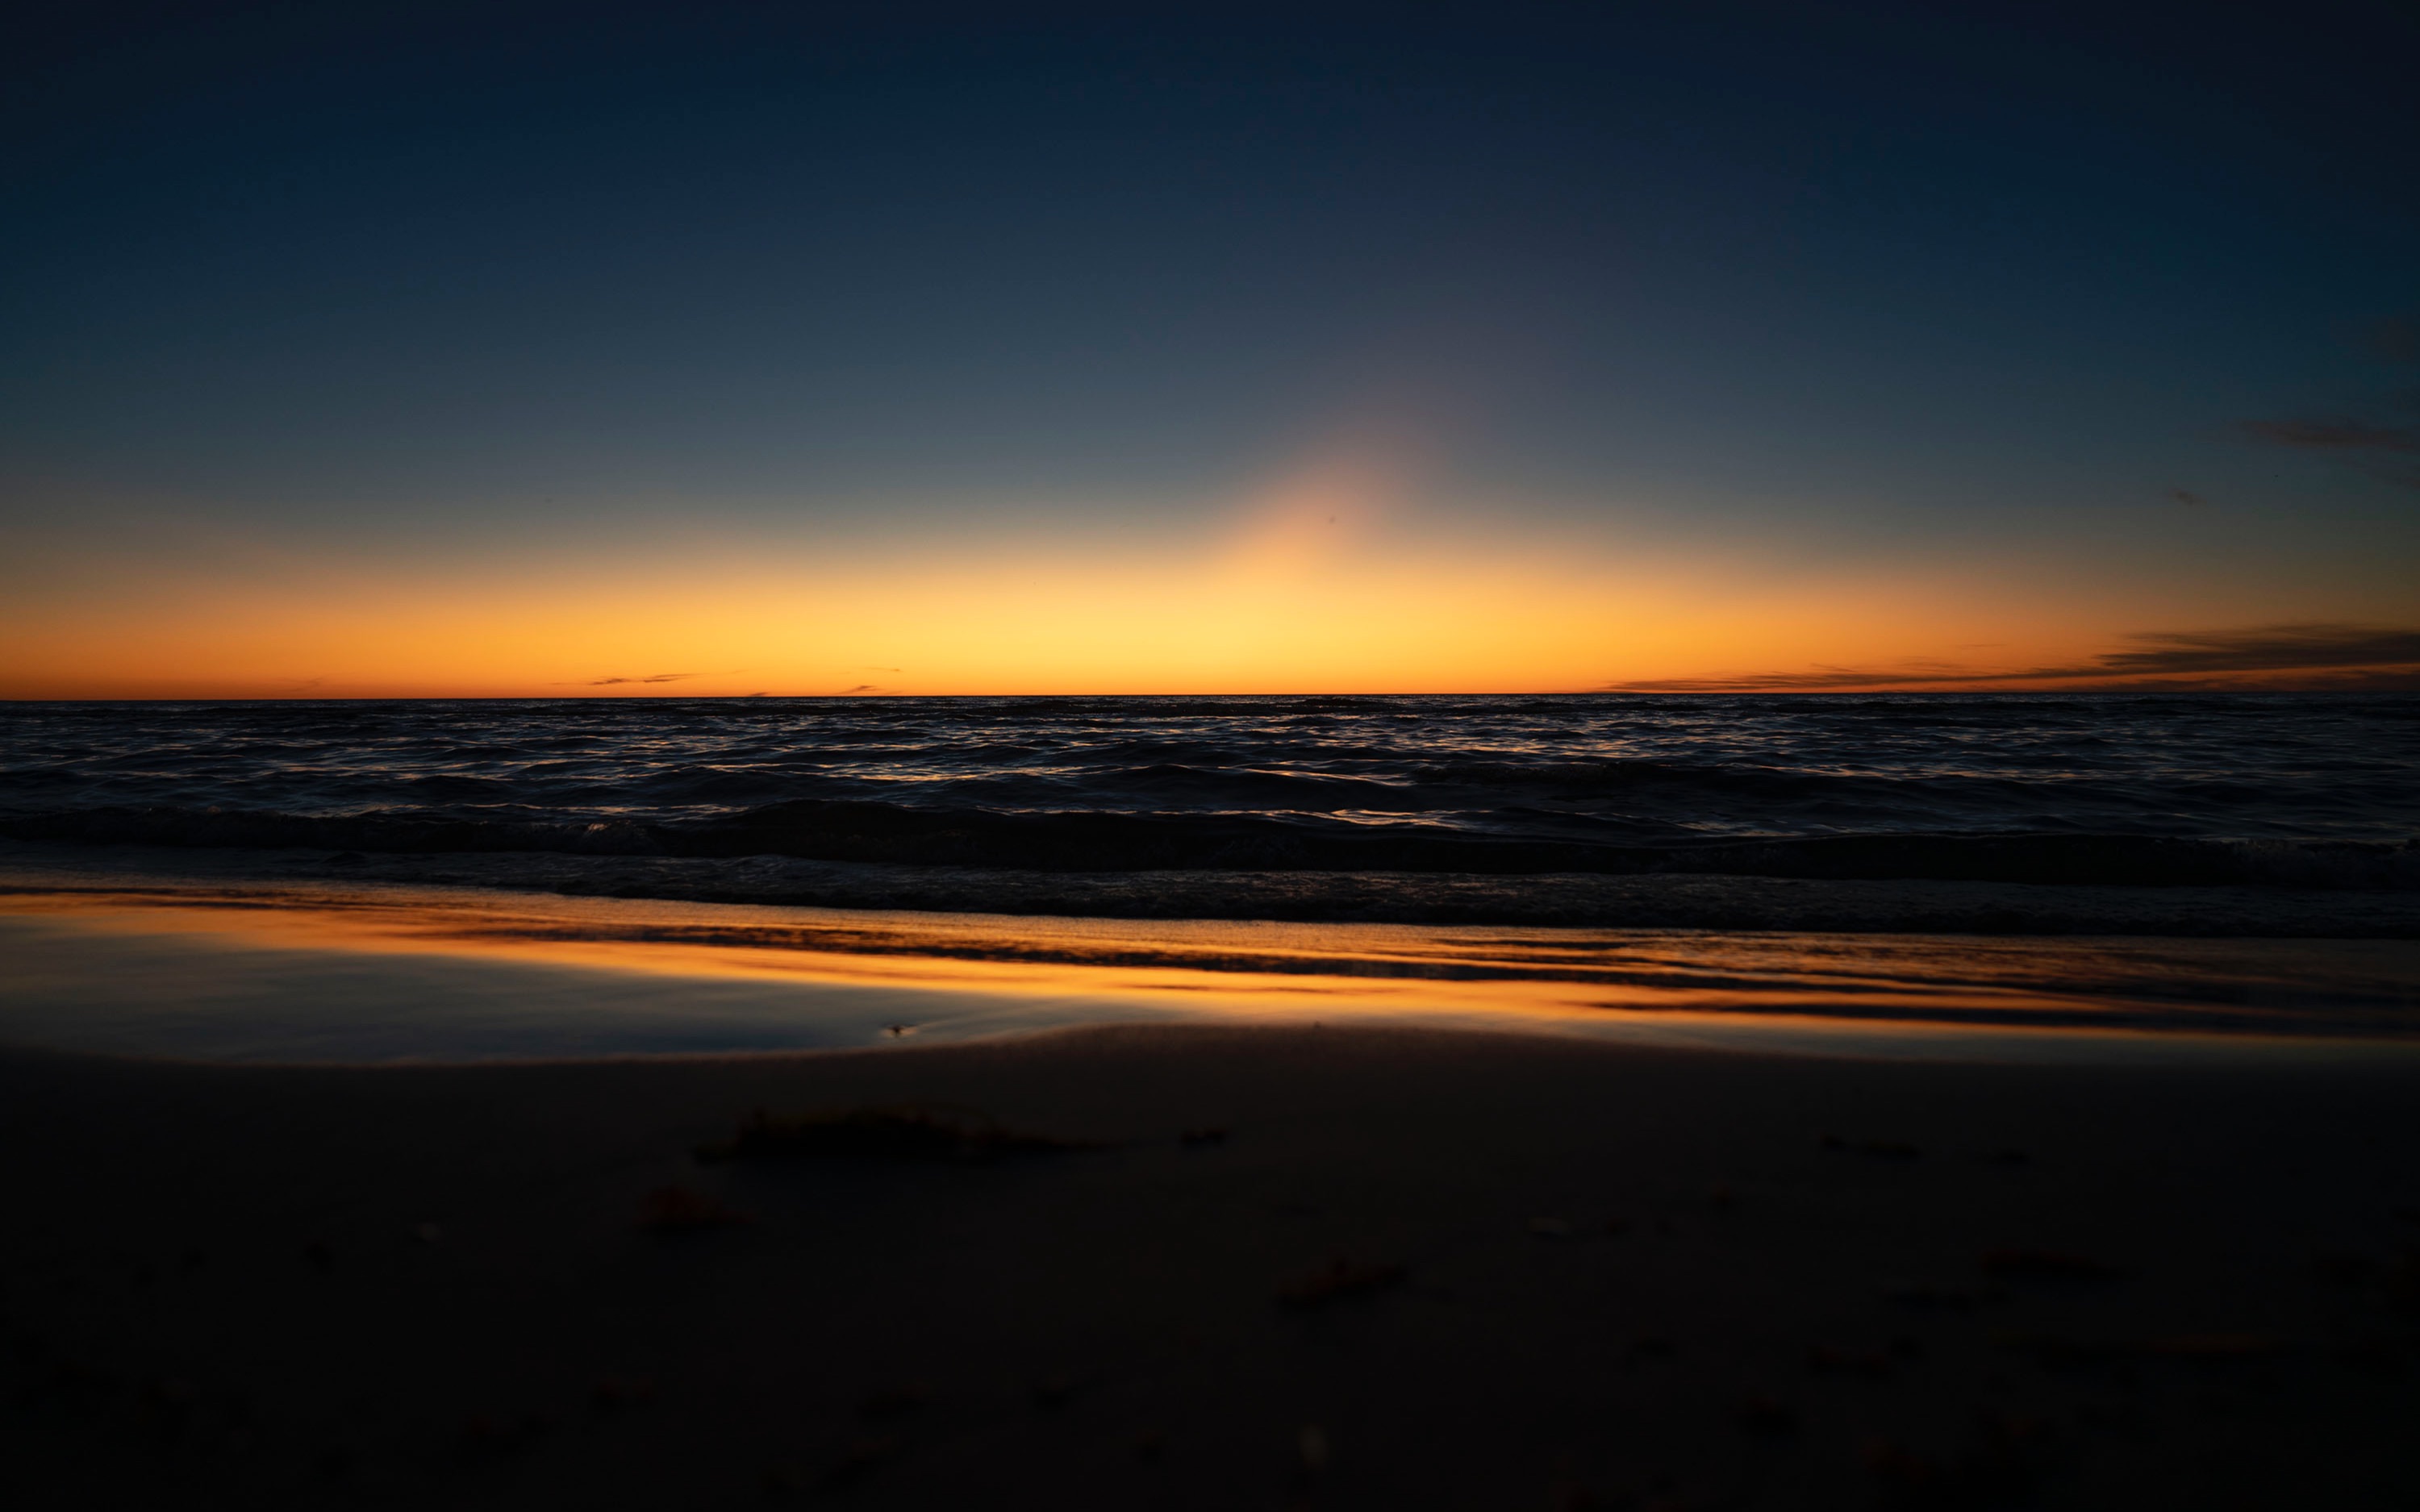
[2345, 652]
[2333, 435]
[2395, 339]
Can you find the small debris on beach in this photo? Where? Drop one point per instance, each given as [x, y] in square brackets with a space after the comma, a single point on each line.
[1825, 1359]
[1311, 1445]
[2054, 1352]
[1208, 1135]
[1878, 1148]
[172, 1392]
[1551, 1227]
[2046, 1265]
[2218, 1346]
[676, 1210]
[1926, 1295]
[895, 1401]
[1990, 1473]
[1902, 1470]
[857, 1460]
[1766, 1418]
[613, 1393]
[428, 1233]
[489, 1436]
[906, 1132]
[320, 1256]
[780, 1480]
[1338, 1280]
[1564, 1494]
[1058, 1390]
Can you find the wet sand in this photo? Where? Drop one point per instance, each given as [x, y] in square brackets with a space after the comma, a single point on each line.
[292, 974]
[1390, 1268]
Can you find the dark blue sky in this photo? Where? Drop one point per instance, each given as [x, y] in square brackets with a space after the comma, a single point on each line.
[2129, 294]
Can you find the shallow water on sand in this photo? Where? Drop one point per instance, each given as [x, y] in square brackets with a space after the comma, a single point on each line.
[316, 973]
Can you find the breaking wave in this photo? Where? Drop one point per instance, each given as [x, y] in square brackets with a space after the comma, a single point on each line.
[898, 834]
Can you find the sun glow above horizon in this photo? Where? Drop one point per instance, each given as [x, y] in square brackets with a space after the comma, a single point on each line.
[1330, 573]
[1284, 605]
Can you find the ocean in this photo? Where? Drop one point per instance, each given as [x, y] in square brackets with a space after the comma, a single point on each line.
[1848, 826]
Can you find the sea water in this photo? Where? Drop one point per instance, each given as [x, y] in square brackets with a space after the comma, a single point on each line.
[2182, 859]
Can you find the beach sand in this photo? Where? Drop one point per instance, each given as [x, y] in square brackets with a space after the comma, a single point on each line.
[1389, 1268]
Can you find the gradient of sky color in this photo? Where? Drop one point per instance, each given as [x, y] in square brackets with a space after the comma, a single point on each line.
[532, 349]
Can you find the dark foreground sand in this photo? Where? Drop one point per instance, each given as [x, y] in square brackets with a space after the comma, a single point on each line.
[1628, 1278]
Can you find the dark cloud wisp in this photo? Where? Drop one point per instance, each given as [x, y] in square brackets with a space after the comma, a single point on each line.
[2333, 435]
[2396, 339]
[2276, 648]
[2175, 657]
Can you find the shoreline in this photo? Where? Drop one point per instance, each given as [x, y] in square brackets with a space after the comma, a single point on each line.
[1570, 1269]
[1575, 900]
[307, 972]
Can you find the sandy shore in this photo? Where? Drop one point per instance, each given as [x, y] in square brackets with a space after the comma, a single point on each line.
[1417, 1269]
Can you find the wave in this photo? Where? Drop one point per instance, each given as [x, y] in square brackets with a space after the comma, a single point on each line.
[842, 830]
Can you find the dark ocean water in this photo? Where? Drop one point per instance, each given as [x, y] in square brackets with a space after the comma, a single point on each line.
[1600, 808]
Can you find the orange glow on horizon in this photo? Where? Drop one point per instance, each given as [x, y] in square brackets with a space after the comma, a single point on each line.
[1324, 579]
[1269, 614]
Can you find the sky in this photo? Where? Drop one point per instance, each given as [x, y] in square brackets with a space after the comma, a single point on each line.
[717, 350]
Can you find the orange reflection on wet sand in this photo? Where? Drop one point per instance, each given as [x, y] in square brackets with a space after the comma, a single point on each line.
[1558, 980]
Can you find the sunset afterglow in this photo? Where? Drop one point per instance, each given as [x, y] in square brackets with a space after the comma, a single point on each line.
[784, 356]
